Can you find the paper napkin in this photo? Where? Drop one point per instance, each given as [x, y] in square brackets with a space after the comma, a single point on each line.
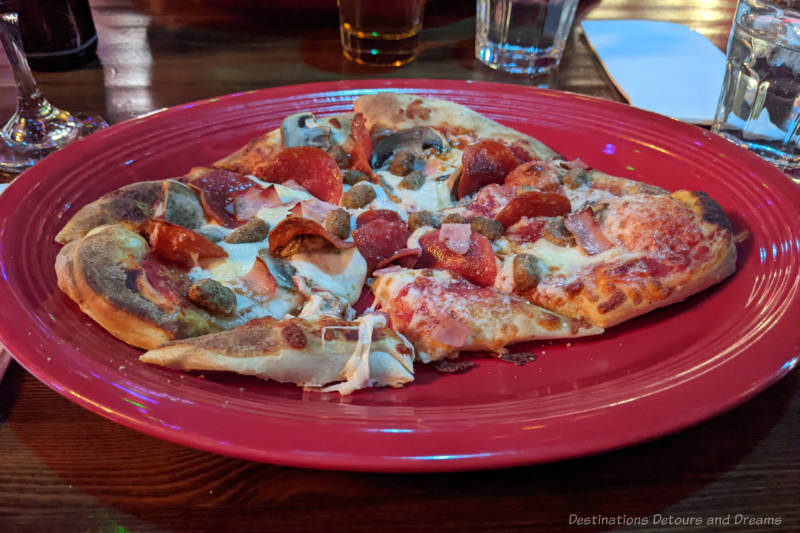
[660, 66]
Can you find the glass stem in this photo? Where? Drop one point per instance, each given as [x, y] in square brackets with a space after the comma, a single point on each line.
[30, 101]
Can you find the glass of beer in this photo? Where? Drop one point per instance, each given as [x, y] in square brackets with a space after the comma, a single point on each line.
[381, 32]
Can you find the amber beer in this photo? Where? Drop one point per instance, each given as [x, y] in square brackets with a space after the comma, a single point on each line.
[381, 32]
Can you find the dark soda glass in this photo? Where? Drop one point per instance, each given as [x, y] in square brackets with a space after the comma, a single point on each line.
[56, 34]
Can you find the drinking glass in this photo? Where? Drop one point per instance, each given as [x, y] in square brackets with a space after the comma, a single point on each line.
[381, 32]
[37, 128]
[523, 36]
[758, 106]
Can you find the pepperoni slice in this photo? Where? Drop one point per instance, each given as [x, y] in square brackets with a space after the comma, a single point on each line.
[372, 214]
[539, 174]
[294, 226]
[176, 244]
[312, 168]
[526, 230]
[379, 240]
[587, 231]
[477, 265]
[533, 204]
[362, 145]
[218, 190]
[404, 257]
[520, 153]
[482, 163]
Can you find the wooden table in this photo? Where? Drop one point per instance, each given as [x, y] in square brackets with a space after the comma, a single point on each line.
[63, 468]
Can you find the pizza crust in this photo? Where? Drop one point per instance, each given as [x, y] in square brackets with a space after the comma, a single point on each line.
[385, 110]
[293, 351]
[102, 274]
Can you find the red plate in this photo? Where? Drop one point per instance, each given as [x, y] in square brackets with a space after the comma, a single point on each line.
[645, 378]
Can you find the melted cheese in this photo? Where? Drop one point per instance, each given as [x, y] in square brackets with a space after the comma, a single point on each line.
[356, 370]
[340, 273]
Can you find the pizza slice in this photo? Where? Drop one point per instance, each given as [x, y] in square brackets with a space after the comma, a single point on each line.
[443, 314]
[310, 352]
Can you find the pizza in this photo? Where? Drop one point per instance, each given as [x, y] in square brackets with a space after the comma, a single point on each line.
[334, 252]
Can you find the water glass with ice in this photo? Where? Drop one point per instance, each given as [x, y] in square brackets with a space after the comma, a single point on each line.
[523, 36]
[759, 104]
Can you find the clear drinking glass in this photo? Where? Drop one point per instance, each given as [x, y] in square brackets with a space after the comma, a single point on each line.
[523, 36]
[759, 104]
[37, 128]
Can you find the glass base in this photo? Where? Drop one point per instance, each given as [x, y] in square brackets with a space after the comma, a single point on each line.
[528, 62]
[16, 157]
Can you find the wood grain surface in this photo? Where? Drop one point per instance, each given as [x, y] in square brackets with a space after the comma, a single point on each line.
[63, 468]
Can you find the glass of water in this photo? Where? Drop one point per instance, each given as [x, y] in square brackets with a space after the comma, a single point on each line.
[759, 105]
[523, 36]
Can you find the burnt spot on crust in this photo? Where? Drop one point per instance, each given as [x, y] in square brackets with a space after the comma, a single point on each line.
[711, 211]
[549, 321]
[294, 336]
[445, 366]
[617, 299]
[573, 288]
[518, 359]
[416, 109]
[132, 279]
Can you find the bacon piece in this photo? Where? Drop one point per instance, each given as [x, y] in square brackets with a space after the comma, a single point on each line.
[526, 230]
[404, 257]
[313, 209]
[260, 280]
[218, 191]
[293, 226]
[587, 232]
[533, 204]
[451, 332]
[250, 202]
[176, 244]
[380, 240]
[310, 167]
[371, 214]
[484, 162]
[361, 145]
[491, 200]
[456, 237]
[539, 174]
[477, 265]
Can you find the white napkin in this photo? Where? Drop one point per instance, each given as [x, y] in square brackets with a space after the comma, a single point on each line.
[660, 66]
